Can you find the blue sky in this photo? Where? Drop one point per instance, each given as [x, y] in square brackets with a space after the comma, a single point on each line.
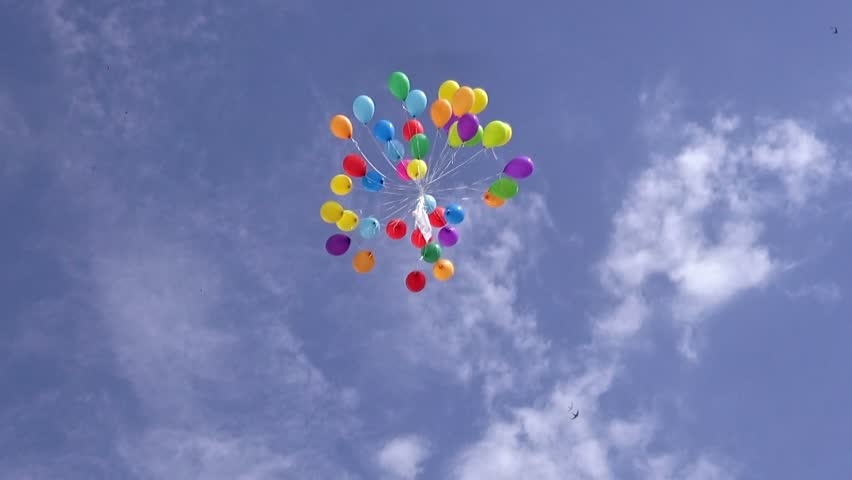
[677, 267]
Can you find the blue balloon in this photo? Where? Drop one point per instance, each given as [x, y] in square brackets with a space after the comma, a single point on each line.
[454, 213]
[373, 181]
[368, 227]
[430, 203]
[384, 131]
[363, 108]
[395, 149]
[416, 102]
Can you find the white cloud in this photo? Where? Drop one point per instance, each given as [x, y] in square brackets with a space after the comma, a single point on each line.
[402, 456]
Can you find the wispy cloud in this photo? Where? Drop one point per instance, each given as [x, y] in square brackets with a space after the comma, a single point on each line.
[401, 456]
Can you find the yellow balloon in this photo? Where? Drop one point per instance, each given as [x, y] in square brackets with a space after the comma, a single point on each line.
[348, 221]
[417, 169]
[448, 89]
[508, 135]
[341, 127]
[363, 261]
[480, 101]
[331, 211]
[441, 112]
[341, 184]
[462, 101]
[443, 269]
[494, 134]
[453, 138]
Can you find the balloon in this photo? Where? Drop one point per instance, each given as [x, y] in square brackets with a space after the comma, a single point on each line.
[341, 184]
[443, 270]
[450, 123]
[416, 103]
[495, 133]
[431, 252]
[417, 169]
[402, 170]
[476, 140]
[453, 139]
[341, 127]
[462, 101]
[337, 244]
[429, 203]
[411, 128]
[348, 221]
[363, 108]
[363, 261]
[437, 218]
[519, 167]
[396, 228]
[504, 188]
[448, 89]
[331, 211]
[394, 149]
[493, 201]
[399, 85]
[467, 127]
[454, 214]
[354, 165]
[448, 236]
[441, 112]
[419, 146]
[415, 281]
[383, 130]
[480, 101]
[417, 238]
[508, 134]
[368, 228]
[373, 181]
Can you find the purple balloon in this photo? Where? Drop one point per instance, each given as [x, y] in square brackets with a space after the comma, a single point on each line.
[449, 123]
[337, 244]
[468, 126]
[448, 236]
[519, 167]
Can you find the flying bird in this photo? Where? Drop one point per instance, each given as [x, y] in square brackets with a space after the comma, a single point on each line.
[834, 30]
[576, 414]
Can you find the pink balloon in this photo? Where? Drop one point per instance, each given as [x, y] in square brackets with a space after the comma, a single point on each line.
[402, 170]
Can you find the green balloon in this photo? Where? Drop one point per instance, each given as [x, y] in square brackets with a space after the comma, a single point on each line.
[419, 145]
[431, 252]
[504, 187]
[399, 85]
[476, 138]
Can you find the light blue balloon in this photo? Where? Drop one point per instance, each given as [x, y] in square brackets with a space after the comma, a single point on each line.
[395, 149]
[373, 181]
[384, 131]
[415, 102]
[363, 108]
[368, 227]
[430, 203]
[454, 214]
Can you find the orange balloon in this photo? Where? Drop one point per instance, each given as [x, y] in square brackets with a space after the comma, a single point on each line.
[363, 261]
[463, 101]
[441, 112]
[492, 200]
[341, 127]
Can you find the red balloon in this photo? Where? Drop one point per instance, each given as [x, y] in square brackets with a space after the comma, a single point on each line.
[415, 281]
[354, 165]
[417, 238]
[396, 228]
[411, 128]
[437, 218]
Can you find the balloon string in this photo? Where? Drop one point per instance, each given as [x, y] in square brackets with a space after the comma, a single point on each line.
[462, 164]
[364, 155]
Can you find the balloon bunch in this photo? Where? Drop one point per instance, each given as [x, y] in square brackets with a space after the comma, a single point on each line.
[415, 177]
